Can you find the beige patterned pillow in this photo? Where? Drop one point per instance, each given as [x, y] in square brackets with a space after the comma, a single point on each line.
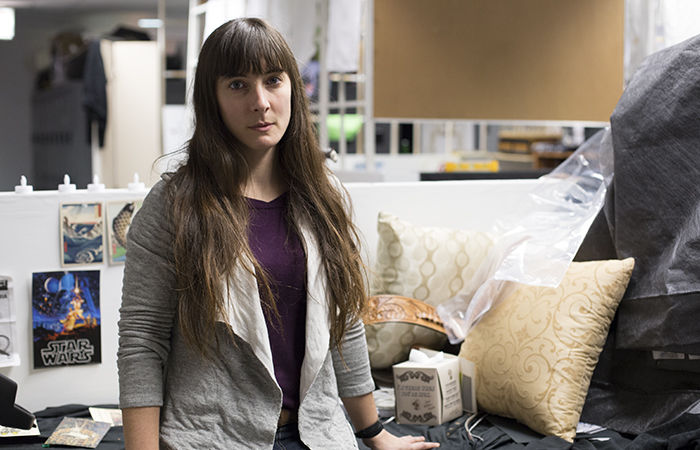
[536, 350]
[430, 264]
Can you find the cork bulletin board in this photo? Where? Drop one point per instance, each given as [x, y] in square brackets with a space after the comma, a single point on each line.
[498, 59]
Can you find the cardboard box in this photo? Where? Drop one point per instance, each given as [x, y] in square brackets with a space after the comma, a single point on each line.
[429, 393]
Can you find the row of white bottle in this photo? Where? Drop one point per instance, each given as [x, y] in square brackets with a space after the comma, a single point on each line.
[67, 186]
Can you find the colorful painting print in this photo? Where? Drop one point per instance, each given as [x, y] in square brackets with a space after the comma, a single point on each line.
[119, 215]
[82, 239]
[66, 318]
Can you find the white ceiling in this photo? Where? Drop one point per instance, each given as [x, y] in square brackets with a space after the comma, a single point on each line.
[83, 4]
[93, 4]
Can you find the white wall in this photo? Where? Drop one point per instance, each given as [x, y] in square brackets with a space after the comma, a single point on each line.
[29, 234]
[29, 230]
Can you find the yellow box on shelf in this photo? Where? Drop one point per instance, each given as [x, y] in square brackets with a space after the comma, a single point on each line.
[472, 166]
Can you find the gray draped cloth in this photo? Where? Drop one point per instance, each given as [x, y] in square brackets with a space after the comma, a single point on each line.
[652, 213]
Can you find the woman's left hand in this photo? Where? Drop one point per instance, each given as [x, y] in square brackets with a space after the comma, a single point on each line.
[387, 441]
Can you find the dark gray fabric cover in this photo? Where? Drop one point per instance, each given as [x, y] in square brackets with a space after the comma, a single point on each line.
[656, 209]
[652, 213]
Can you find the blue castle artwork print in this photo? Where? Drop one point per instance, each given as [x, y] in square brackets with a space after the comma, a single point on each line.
[66, 318]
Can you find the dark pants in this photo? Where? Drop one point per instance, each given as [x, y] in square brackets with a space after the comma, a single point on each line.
[287, 438]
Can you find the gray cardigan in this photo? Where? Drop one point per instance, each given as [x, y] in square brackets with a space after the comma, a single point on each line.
[234, 401]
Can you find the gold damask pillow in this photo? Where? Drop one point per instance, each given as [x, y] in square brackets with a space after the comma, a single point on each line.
[536, 350]
[430, 264]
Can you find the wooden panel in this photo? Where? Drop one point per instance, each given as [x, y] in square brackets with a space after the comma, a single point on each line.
[498, 59]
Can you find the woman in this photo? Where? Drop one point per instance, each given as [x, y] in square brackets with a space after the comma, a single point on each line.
[243, 286]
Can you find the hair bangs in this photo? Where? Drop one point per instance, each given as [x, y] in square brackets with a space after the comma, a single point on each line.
[251, 51]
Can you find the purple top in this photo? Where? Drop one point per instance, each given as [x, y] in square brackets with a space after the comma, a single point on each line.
[280, 252]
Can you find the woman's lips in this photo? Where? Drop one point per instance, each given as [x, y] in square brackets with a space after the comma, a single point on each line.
[262, 126]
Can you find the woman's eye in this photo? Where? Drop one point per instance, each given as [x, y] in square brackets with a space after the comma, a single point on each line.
[274, 80]
[236, 84]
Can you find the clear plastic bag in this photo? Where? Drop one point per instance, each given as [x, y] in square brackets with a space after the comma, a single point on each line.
[536, 244]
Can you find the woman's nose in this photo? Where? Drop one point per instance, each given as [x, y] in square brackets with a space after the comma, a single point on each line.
[260, 100]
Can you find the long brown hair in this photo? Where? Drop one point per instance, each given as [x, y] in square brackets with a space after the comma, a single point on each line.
[210, 213]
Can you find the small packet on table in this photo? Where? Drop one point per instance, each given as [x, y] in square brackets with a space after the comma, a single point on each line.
[77, 432]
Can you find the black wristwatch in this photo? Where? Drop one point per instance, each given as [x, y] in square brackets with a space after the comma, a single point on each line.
[371, 431]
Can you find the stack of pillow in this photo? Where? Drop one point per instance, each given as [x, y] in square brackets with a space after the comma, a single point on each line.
[535, 350]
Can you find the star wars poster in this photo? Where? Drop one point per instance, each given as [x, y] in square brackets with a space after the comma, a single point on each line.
[119, 215]
[82, 239]
[66, 318]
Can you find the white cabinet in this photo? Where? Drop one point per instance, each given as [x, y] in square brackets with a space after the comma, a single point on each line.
[133, 133]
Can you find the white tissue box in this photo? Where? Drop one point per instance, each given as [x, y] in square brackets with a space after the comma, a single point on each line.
[429, 392]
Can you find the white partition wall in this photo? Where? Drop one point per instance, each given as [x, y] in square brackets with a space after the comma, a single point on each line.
[29, 226]
[29, 229]
[473, 204]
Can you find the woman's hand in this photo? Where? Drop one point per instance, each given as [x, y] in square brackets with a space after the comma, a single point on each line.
[363, 414]
[387, 441]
